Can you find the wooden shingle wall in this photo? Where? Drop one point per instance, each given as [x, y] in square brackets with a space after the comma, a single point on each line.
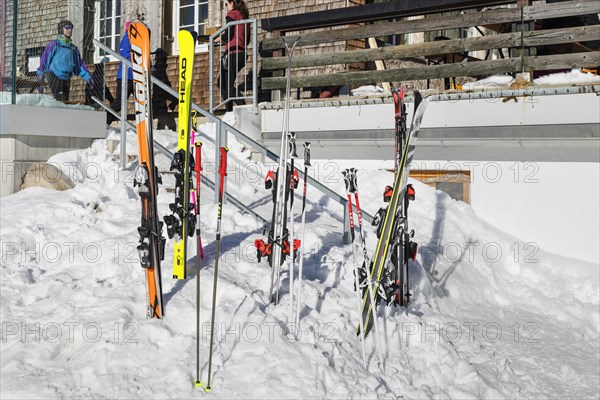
[37, 25]
[277, 8]
[258, 9]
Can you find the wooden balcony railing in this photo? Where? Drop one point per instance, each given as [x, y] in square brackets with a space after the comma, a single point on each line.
[571, 55]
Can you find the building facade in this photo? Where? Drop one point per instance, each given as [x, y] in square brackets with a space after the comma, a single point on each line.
[105, 20]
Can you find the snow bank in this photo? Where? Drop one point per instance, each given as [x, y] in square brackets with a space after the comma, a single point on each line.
[490, 316]
[496, 82]
[40, 100]
[575, 76]
[367, 90]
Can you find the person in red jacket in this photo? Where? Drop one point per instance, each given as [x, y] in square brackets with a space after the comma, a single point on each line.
[234, 58]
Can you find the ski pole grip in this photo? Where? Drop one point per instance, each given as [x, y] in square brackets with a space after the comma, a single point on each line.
[194, 119]
[198, 165]
[223, 164]
[306, 153]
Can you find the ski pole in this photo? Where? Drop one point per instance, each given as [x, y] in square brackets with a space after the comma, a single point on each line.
[302, 223]
[222, 174]
[198, 169]
[347, 181]
[366, 263]
[292, 263]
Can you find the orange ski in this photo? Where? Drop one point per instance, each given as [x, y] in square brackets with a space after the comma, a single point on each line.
[152, 243]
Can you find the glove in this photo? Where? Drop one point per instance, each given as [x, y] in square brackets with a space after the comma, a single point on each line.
[40, 84]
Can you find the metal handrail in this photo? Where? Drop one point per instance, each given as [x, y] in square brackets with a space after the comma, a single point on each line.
[211, 59]
[245, 139]
[162, 149]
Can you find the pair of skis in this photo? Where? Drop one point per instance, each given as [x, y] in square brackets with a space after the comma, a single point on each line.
[147, 178]
[282, 192]
[282, 243]
[282, 182]
[394, 243]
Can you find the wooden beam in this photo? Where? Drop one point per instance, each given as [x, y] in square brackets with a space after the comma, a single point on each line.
[370, 12]
[379, 64]
[487, 17]
[474, 68]
[505, 40]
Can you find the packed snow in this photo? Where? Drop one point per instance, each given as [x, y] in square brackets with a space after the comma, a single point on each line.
[367, 90]
[575, 76]
[489, 83]
[39, 100]
[491, 317]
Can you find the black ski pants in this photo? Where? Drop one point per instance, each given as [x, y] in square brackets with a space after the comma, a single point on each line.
[116, 104]
[59, 87]
[229, 70]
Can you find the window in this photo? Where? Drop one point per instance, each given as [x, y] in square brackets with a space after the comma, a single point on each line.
[107, 25]
[32, 57]
[456, 183]
[191, 15]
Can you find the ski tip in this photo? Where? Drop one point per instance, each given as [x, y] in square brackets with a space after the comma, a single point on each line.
[199, 384]
[418, 97]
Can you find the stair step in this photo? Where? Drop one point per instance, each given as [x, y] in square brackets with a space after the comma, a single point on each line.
[114, 147]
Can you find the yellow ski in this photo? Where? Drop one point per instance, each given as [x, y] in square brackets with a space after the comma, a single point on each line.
[178, 224]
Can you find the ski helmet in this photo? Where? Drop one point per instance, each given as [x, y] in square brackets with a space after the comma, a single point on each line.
[62, 24]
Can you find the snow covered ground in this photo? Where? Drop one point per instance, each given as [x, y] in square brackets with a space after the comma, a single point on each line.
[40, 100]
[490, 317]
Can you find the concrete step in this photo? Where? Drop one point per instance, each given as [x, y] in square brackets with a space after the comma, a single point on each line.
[113, 147]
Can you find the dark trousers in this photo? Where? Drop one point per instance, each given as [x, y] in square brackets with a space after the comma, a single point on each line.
[59, 87]
[116, 104]
[235, 62]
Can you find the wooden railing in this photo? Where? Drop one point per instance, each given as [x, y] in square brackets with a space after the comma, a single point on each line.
[469, 67]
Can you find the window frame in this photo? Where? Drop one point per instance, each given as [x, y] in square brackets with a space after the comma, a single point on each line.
[432, 177]
[115, 37]
[200, 47]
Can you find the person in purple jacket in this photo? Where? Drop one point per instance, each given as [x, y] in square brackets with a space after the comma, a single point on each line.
[234, 57]
[60, 61]
[125, 52]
